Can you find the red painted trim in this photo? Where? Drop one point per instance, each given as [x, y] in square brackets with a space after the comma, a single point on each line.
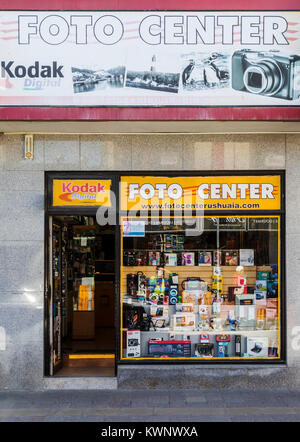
[168, 5]
[148, 114]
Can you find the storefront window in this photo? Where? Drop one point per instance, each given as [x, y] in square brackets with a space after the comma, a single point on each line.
[206, 292]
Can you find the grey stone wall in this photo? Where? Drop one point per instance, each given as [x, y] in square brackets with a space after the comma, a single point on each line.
[22, 244]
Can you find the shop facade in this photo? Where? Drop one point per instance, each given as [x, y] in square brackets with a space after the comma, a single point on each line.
[159, 252]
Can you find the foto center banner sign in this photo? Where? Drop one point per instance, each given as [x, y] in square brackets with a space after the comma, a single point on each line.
[149, 58]
[81, 192]
[206, 193]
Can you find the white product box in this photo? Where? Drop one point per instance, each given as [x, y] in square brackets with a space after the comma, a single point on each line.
[246, 257]
[133, 343]
[258, 347]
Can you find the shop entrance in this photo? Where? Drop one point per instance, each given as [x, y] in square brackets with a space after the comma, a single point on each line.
[81, 297]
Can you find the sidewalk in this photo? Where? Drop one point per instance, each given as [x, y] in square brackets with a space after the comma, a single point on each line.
[150, 406]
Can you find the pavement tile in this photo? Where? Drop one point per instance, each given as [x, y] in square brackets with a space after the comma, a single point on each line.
[212, 418]
[23, 419]
[119, 412]
[195, 400]
[117, 402]
[177, 399]
[150, 406]
[251, 419]
[289, 418]
[6, 403]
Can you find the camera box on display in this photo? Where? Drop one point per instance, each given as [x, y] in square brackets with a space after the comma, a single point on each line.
[133, 343]
[258, 347]
[261, 285]
[204, 350]
[261, 297]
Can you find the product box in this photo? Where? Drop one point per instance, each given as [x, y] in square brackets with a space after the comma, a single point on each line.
[133, 344]
[183, 321]
[271, 319]
[231, 258]
[272, 287]
[271, 313]
[258, 347]
[246, 257]
[217, 271]
[170, 348]
[217, 280]
[192, 296]
[261, 297]
[170, 259]
[204, 350]
[194, 284]
[204, 259]
[263, 275]
[272, 303]
[222, 345]
[173, 294]
[185, 308]
[238, 345]
[261, 285]
[204, 338]
[217, 257]
[217, 284]
[154, 258]
[241, 283]
[246, 311]
[203, 318]
[188, 259]
[161, 321]
[159, 310]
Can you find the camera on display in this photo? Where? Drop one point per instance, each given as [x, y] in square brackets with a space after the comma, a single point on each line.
[133, 342]
[266, 73]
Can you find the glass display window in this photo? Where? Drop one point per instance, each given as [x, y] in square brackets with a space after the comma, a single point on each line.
[213, 295]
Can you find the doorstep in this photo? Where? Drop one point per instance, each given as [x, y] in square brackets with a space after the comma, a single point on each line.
[80, 383]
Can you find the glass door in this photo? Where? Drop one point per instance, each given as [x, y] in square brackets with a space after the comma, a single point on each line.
[55, 295]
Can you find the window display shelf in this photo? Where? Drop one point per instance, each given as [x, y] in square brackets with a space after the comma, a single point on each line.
[220, 299]
[210, 332]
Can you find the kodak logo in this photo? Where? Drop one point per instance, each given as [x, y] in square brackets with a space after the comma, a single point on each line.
[84, 188]
[33, 71]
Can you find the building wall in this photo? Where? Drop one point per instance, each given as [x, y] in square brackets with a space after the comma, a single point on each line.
[22, 245]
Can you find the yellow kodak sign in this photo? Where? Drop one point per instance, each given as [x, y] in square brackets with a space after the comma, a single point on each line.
[201, 193]
[81, 193]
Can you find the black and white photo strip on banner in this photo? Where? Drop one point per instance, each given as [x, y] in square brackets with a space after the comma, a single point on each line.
[123, 58]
